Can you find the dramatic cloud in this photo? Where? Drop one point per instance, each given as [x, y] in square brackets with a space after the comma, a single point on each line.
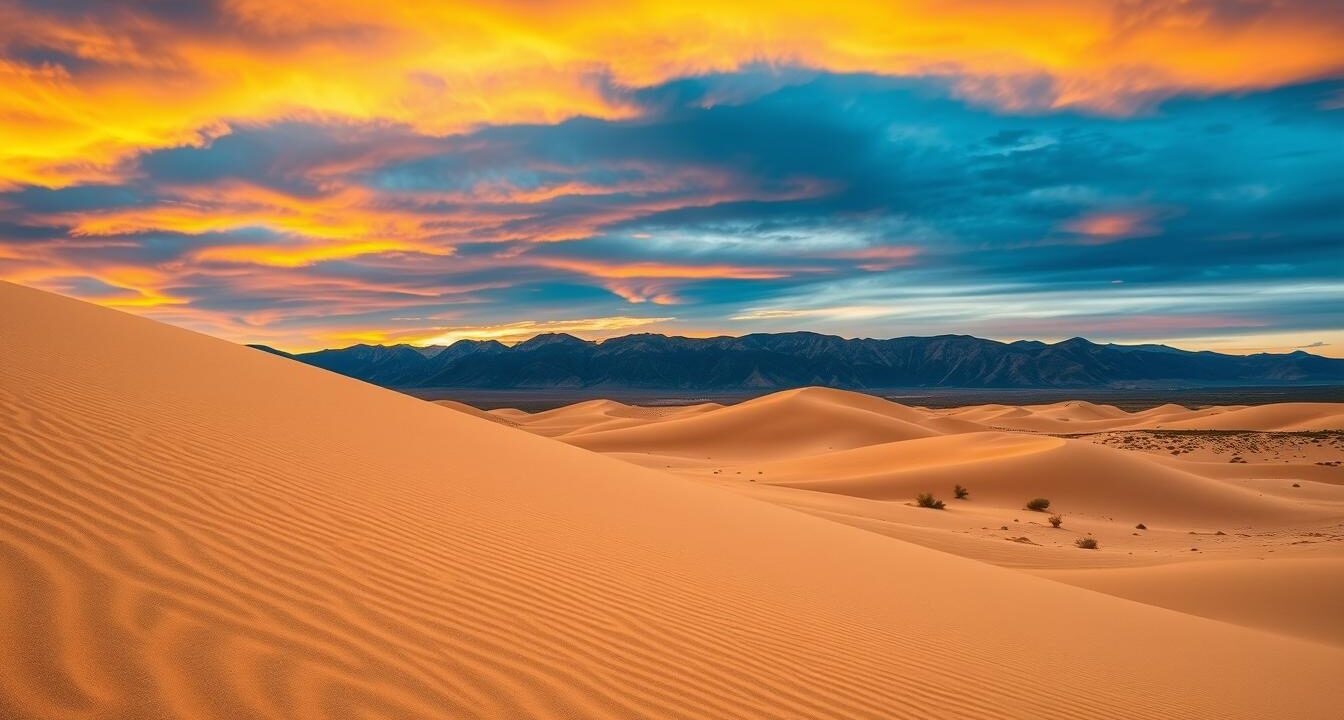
[88, 84]
[309, 174]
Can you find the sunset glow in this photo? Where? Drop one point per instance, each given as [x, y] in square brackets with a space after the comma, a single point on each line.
[309, 174]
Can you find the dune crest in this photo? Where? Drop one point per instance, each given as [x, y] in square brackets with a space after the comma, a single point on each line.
[787, 424]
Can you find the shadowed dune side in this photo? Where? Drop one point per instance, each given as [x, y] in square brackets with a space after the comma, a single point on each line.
[194, 529]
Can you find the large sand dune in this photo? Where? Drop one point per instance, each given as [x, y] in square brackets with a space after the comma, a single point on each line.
[1007, 470]
[193, 529]
[787, 424]
[599, 416]
[1162, 490]
[1083, 417]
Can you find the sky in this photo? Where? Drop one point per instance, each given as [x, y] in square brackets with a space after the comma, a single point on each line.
[317, 174]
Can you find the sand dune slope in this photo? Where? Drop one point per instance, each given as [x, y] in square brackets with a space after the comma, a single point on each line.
[1007, 469]
[1237, 498]
[1083, 417]
[475, 412]
[786, 424]
[1282, 417]
[815, 420]
[1295, 596]
[600, 415]
[191, 529]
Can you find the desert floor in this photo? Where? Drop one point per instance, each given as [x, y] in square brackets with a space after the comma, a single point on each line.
[194, 529]
[1240, 507]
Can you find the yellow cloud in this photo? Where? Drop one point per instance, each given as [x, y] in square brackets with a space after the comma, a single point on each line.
[444, 68]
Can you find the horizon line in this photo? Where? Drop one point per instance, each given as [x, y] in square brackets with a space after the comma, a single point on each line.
[604, 340]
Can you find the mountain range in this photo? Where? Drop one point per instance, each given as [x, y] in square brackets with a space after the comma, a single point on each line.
[796, 359]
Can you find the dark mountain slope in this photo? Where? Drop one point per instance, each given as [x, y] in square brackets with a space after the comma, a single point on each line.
[771, 361]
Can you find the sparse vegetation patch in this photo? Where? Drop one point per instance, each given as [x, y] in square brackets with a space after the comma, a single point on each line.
[927, 500]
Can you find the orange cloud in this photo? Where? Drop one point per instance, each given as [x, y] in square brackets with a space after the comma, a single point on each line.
[596, 268]
[658, 293]
[653, 282]
[1109, 226]
[885, 257]
[126, 287]
[344, 214]
[301, 255]
[161, 81]
[656, 282]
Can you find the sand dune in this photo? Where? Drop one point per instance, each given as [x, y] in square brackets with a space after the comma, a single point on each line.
[787, 424]
[1007, 470]
[1233, 498]
[474, 412]
[600, 415]
[1296, 596]
[198, 530]
[1292, 417]
[859, 419]
[1082, 417]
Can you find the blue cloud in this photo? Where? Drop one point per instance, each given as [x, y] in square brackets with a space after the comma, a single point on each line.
[813, 172]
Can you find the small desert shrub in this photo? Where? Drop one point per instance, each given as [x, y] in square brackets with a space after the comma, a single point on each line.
[961, 492]
[1140, 526]
[1086, 543]
[926, 500]
[1056, 520]
[1038, 504]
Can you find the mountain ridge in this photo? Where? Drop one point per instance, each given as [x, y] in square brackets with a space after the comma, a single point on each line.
[797, 359]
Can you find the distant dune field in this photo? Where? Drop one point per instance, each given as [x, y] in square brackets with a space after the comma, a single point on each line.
[194, 529]
[1242, 507]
